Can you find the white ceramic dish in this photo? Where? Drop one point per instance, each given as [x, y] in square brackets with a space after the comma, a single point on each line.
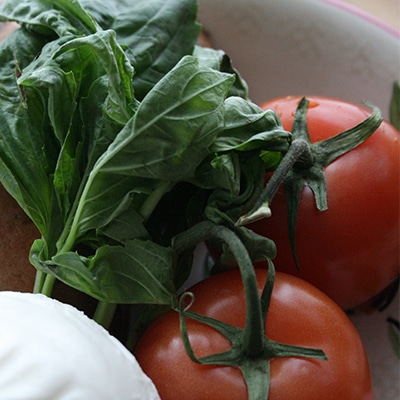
[286, 47]
[316, 47]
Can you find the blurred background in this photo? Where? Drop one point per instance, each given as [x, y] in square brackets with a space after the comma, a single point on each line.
[387, 10]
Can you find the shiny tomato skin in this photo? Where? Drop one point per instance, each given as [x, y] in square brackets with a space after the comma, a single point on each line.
[299, 314]
[350, 251]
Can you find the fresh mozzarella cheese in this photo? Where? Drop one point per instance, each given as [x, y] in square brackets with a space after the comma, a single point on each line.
[51, 351]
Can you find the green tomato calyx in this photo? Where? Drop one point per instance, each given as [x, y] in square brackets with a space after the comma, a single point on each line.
[251, 350]
[304, 163]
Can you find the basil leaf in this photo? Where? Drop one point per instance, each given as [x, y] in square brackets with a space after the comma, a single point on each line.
[238, 181]
[105, 12]
[63, 17]
[127, 226]
[181, 122]
[99, 54]
[219, 60]
[145, 116]
[57, 74]
[139, 272]
[103, 46]
[248, 127]
[251, 138]
[24, 163]
[60, 84]
[158, 34]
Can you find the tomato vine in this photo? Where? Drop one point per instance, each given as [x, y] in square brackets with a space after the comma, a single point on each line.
[251, 351]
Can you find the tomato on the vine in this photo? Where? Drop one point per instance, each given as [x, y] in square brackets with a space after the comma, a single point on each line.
[299, 314]
[351, 250]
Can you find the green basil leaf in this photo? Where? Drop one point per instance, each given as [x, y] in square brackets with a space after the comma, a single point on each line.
[225, 174]
[158, 34]
[98, 54]
[104, 48]
[60, 84]
[139, 272]
[63, 17]
[248, 127]
[239, 181]
[181, 122]
[105, 12]
[219, 60]
[82, 137]
[25, 164]
[127, 226]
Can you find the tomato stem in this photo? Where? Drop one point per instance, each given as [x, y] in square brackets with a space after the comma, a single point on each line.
[254, 331]
[251, 351]
[304, 162]
[299, 151]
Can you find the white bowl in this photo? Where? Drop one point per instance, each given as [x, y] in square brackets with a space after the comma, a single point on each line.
[316, 47]
[284, 47]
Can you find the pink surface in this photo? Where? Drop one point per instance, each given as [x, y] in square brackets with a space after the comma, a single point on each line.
[364, 15]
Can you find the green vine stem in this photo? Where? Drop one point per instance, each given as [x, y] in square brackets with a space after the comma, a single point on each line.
[304, 161]
[253, 333]
[40, 277]
[298, 150]
[104, 313]
[251, 350]
[44, 283]
[154, 198]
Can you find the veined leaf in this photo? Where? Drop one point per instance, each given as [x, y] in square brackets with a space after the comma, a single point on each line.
[63, 17]
[139, 272]
[181, 122]
[140, 115]
[127, 226]
[72, 69]
[248, 127]
[219, 60]
[103, 48]
[106, 12]
[84, 60]
[158, 34]
[24, 163]
[59, 84]
[237, 181]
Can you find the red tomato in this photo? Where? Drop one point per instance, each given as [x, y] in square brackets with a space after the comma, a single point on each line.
[351, 251]
[299, 314]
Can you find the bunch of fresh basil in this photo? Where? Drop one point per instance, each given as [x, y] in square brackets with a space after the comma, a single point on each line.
[116, 133]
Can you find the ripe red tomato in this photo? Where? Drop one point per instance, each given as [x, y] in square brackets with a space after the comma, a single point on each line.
[299, 314]
[351, 251]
